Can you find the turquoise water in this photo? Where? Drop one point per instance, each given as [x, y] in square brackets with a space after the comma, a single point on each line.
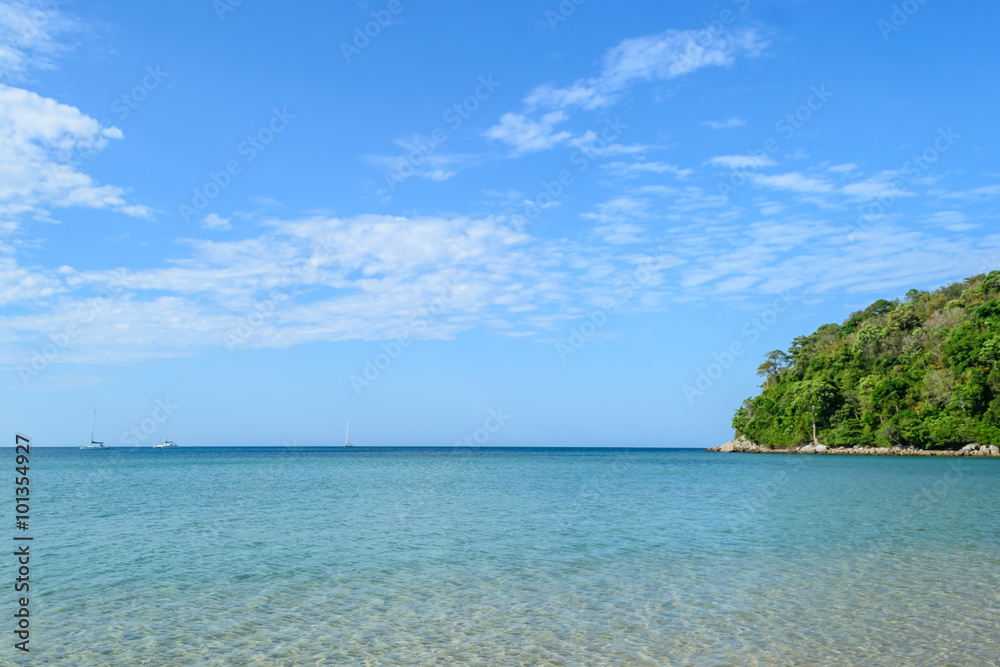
[510, 557]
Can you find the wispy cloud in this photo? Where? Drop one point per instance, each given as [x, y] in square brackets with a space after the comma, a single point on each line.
[42, 141]
[527, 136]
[632, 169]
[952, 221]
[215, 221]
[31, 36]
[815, 257]
[973, 194]
[429, 164]
[363, 277]
[742, 161]
[659, 57]
[617, 220]
[339, 279]
[794, 182]
[590, 142]
[728, 124]
[875, 188]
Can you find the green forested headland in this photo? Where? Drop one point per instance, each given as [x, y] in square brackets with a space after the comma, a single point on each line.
[924, 372]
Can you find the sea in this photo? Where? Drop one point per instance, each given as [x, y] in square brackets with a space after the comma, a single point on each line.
[413, 556]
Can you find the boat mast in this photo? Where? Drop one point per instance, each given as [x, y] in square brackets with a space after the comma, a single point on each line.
[93, 423]
[347, 432]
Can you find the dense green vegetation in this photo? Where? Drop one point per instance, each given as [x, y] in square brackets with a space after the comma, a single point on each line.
[924, 372]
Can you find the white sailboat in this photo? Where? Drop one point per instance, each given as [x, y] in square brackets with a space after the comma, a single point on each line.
[94, 444]
[347, 443]
[166, 443]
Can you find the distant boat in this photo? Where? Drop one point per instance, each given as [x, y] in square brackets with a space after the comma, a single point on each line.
[347, 443]
[166, 443]
[94, 444]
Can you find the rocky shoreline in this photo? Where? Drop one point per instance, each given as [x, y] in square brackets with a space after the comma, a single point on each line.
[742, 445]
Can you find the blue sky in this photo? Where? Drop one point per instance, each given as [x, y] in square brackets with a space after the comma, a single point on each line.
[591, 219]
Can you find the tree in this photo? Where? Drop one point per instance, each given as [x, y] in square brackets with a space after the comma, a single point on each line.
[924, 373]
[773, 364]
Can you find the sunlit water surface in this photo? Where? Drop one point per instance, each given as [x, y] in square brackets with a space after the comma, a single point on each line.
[510, 557]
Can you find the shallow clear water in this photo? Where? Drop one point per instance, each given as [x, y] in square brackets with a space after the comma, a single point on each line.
[508, 557]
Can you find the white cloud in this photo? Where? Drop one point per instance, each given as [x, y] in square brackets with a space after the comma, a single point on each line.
[265, 202]
[621, 233]
[527, 136]
[658, 190]
[370, 277]
[974, 194]
[421, 159]
[769, 207]
[946, 218]
[618, 210]
[19, 284]
[952, 221]
[842, 168]
[510, 196]
[631, 169]
[660, 57]
[42, 144]
[616, 220]
[324, 279]
[742, 161]
[215, 221]
[592, 144]
[29, 36]
[814, 257]
[729, 124]
[875, 188]
[793, 181]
